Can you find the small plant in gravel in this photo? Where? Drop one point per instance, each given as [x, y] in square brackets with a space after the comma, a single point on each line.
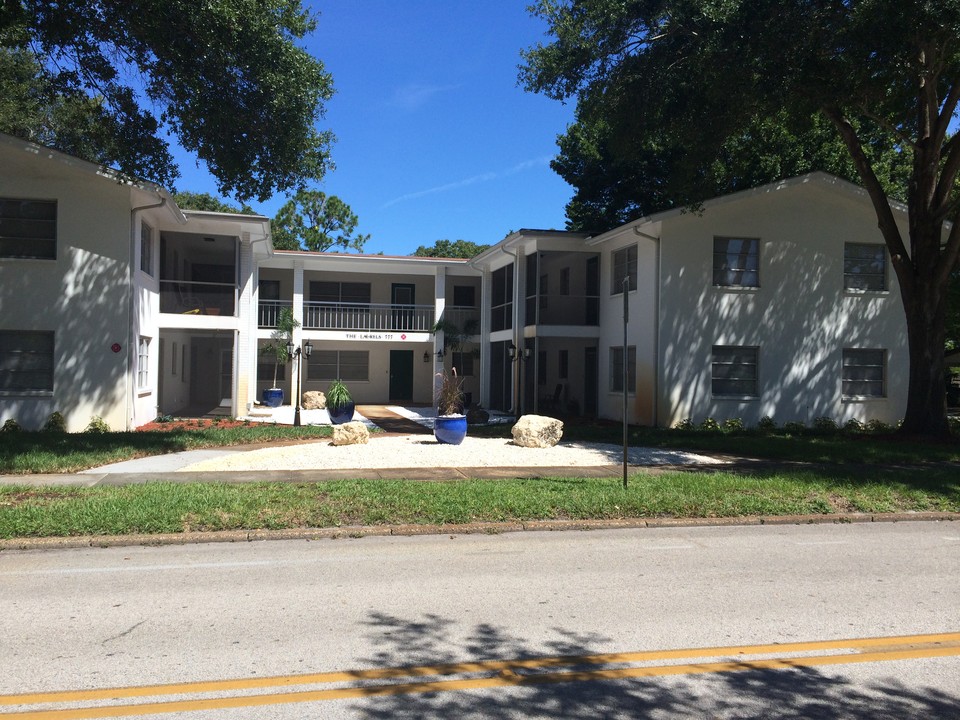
[733, 425]
[97, 426]
[709, 424]
[685, 424]
[55, 423]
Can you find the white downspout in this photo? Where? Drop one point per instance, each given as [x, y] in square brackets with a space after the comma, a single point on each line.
[131, 300]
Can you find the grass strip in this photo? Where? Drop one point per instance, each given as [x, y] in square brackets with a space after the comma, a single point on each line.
[169, 507]
[45, 452]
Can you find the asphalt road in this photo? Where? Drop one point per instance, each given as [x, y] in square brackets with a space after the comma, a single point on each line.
[356, 628]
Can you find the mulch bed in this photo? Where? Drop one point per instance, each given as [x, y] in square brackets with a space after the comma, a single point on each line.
[191, 424]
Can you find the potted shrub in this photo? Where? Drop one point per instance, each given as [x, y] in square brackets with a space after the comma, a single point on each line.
[340, 405]
[450, 426]
[277, 351]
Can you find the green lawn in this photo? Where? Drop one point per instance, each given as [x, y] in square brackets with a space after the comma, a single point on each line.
[45, 452]
[37, 452]
[859, 473]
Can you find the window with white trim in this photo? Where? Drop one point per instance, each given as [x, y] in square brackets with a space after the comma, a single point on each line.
[339, 365]
[143, 363]
[146, 249]
[864, 373]
[26, 360]
[624, 264]
[28, 229]
[616, 369]
[864, 266]
[736, 262]
[734, 371]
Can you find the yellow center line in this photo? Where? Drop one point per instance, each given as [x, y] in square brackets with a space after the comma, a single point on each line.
[884, 649]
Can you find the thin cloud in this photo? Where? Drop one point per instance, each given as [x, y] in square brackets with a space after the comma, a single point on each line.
[473, 180]
[411, 97]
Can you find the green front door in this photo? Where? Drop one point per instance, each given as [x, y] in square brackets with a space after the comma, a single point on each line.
[401, 376]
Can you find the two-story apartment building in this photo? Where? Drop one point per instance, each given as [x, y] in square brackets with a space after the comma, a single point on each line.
[114, 302]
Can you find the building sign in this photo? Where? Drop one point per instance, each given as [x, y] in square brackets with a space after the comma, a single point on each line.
[376, 336]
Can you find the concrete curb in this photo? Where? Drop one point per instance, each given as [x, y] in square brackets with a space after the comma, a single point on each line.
[491, 528]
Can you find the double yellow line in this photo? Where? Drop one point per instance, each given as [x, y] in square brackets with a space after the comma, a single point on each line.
[491, 674]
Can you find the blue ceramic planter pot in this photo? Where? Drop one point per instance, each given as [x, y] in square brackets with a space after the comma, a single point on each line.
[342, 414]
[450, 429]
[273, 397]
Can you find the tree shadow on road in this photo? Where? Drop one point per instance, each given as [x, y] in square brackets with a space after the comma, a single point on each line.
[805, 693]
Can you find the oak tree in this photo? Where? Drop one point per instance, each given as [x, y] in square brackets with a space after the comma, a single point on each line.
[227, 78]
[885, 75]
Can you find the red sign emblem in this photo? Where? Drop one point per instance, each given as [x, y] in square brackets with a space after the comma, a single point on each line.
[403, 337]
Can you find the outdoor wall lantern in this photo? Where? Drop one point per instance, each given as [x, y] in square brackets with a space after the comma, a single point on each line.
[512, 351]
[426, 356]
[295, 352]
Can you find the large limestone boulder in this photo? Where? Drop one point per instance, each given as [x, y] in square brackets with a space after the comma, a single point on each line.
[351, 433]
[313, 400]
[537, 431]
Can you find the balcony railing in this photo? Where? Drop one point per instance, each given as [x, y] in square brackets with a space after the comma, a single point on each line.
[185, 297]
[367, 316]
[269, 311]
[563, 310]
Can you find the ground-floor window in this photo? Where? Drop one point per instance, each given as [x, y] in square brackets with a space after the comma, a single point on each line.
[26, 360]
[616, 369]
[463, 362]
[339, 365]
[143, 363]
[734, 371]
[863, 373]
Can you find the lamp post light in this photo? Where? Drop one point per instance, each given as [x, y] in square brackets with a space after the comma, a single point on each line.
[298, 353]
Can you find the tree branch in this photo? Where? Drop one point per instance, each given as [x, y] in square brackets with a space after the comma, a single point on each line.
[886, 221]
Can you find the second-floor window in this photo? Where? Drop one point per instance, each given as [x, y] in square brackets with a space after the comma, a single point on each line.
[347, 293]
[736, 262]
[501, 301]
[624, 266]
[146, 249]
[28, 229]
[864, 266]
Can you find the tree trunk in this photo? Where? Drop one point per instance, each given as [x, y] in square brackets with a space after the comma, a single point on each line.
[925, 306]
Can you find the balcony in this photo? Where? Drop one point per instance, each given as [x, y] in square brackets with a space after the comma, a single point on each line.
[353, 316]
[269, 311]
[582, 310]
[186, 297]
[465, 319]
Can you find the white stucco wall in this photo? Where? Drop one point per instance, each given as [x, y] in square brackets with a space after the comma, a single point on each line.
[800, 317]
[82, 296]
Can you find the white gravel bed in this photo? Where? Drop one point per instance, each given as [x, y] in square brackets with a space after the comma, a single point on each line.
[410, 451]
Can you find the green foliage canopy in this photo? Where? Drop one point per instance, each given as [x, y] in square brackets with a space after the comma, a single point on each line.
[313, 220]
[187, 200]
[688, 78]
[227, 78]
[447, 249]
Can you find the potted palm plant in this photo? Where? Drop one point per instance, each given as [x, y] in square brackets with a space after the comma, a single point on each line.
[340, 405]
[450, 426]
[277, 351]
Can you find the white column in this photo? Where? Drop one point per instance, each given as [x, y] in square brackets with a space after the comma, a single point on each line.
[298, 316]
[440, 304]
[245, 345]
[485, 369]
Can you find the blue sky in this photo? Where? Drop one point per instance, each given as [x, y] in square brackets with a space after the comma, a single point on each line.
[434, 137]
